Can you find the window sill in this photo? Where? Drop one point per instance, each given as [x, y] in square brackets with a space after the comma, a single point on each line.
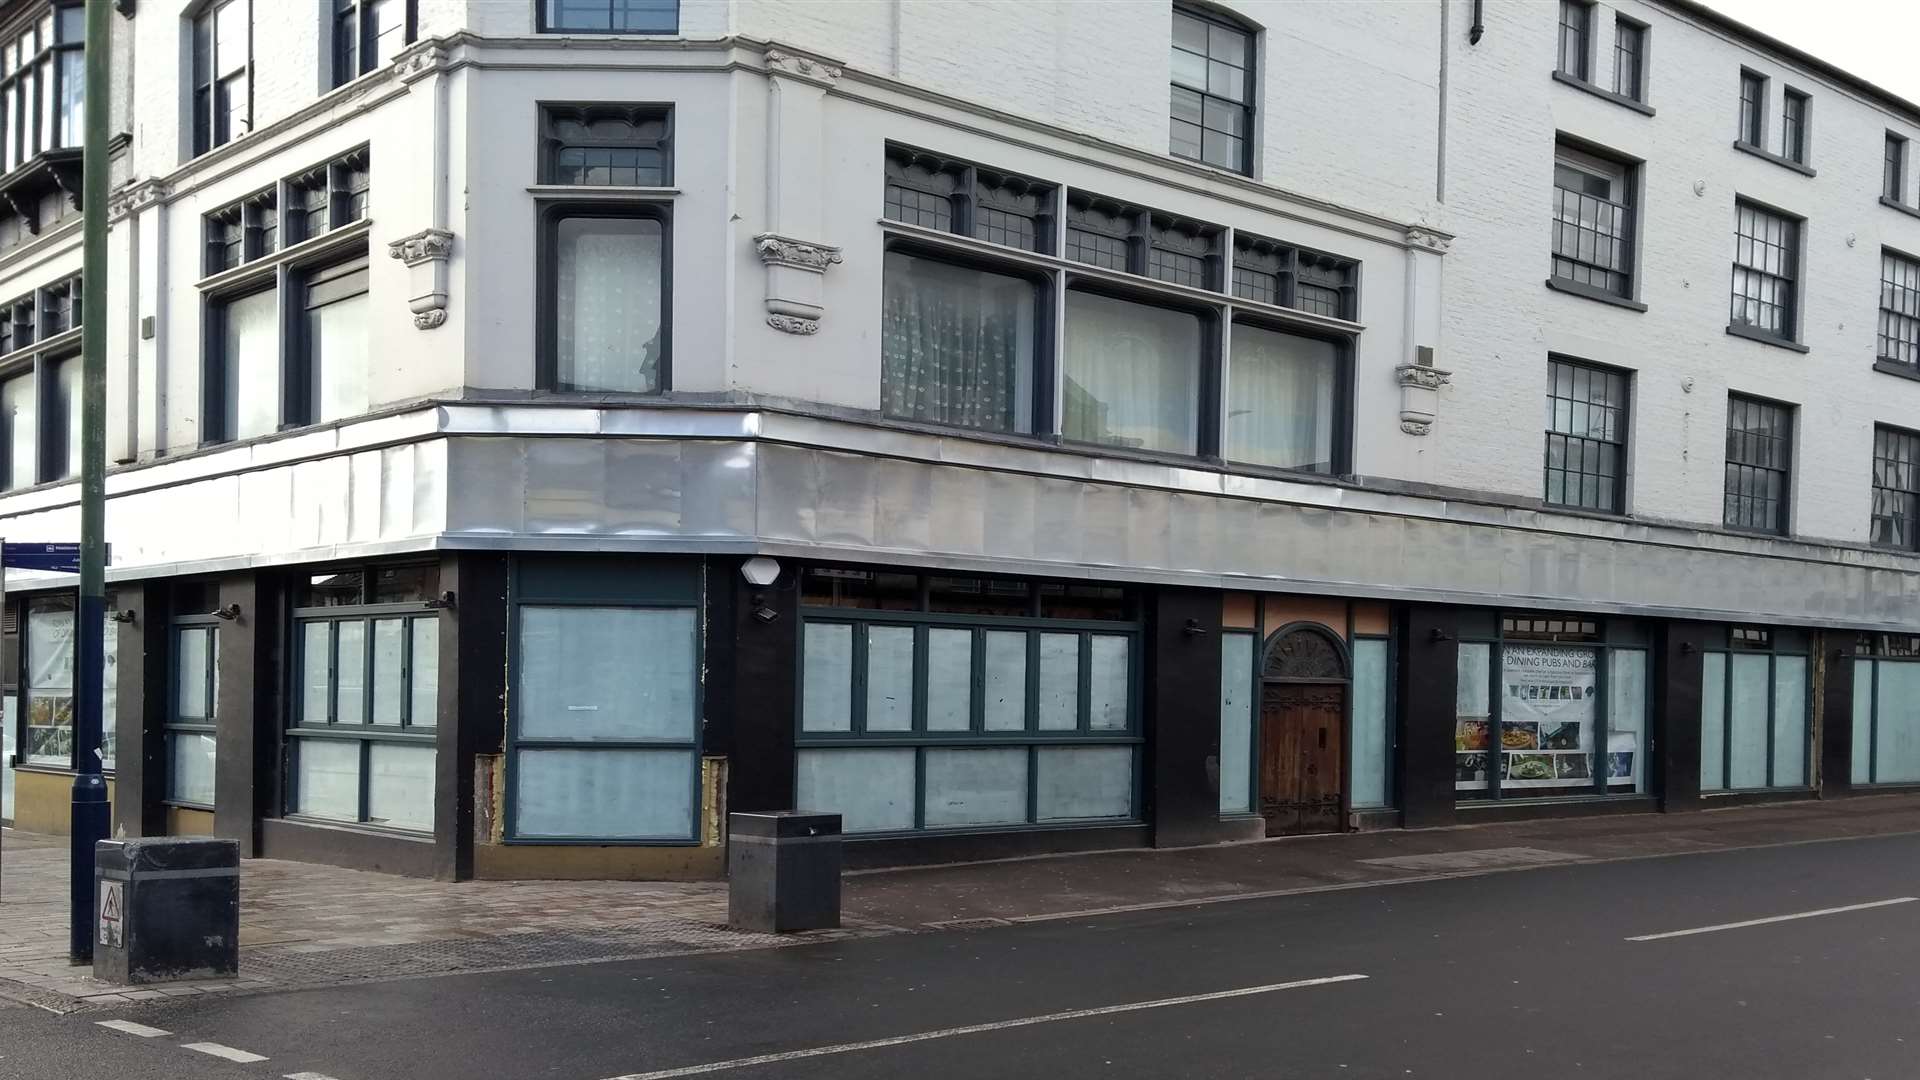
[1767, 155]
[1762, 534]
[1903, 371]
[1588, 292]
[1586, 511]
[1910, 211]
[1765, 338]
[598, 192]
[1621, 100]
[366, 827]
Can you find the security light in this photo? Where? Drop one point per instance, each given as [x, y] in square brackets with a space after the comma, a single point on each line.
[760, 571]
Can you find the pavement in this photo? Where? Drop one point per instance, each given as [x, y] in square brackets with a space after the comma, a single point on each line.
[1794, 959]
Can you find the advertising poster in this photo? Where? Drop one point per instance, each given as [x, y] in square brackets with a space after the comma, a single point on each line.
[1547, 717]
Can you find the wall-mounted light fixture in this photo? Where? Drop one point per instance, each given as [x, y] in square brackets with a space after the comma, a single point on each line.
[1437, 634]
[125, 616]
[1193, 628]
[1688, 648]
[230, 612]
[443, 602]
[761, 572]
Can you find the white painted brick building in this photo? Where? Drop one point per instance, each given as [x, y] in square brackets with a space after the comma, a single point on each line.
[1089, 373]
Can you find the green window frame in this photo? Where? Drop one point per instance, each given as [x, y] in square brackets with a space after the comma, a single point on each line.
[1886, 672]
[185, 727]
[1776, 650]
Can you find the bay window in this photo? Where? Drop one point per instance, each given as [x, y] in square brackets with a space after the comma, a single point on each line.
[605, 297]
[18, 408]
[1154, 313]
[43, 85]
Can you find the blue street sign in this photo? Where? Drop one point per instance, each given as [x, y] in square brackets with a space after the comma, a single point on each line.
[64, 558]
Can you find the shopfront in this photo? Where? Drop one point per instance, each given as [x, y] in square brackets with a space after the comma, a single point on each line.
[1886, 710]
[1756, 708]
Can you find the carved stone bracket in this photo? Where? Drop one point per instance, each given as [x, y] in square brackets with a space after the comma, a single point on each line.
[1434, 240]
[794, 272]
[1420, 396]
[424, 59]
[781, 62]
[426, 253]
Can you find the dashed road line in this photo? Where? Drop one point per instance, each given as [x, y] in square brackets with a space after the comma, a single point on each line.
[131, 1028]
[212, 1049]
[308, 1076]
[1775, 918]
[974, 1029]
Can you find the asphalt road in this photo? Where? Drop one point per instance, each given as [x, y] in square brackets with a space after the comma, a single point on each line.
[1525, 974]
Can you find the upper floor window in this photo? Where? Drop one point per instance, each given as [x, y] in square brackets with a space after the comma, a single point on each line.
[1899, 336]
[1793, 126]
[1592, 222]
[1893, 170]
[1212, 108]
[1766, 260]
[1576, 30]
[1759, 464]
[368, 33]
[1753, 108]
[609, 16]
[1896, 488]
[1275, 273]
[1586, 436]
[607, 145]
[42, 83]
[222, 63]
[1629, 58]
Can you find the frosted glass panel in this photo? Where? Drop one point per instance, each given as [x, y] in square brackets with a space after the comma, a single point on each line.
[190, 772]
[1713, 722]
[1059, 682]
[1627, 719]
[315, 659]
[604, 794]
[1006, 682]
[1863, 721]
[1747, 722]
[1369, 723]
[190, 682]
[949, 680]
[1473, 716]
[1107, 682]
[350, 673]
[1789, 721]
[976, 787]
[327, 778]
[400, 786]
[889, 678]
[827, 681]
[591, 673]
[426, 673]
[871, 790]
[1083, 782]
[1897, 741]
[1236, 723]
[389, 681]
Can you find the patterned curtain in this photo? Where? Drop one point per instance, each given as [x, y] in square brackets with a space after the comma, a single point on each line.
[952, 342]
[608, 296]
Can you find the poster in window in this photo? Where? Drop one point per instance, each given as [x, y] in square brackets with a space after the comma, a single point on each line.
[1547, 716]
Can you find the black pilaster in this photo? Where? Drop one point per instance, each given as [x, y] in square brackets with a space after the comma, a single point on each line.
[1836, 717]
[753, 683]
[1181, 717]
[140, 763]
[246, 735]
[1429, 656]
[472, 705]
[1678, 666]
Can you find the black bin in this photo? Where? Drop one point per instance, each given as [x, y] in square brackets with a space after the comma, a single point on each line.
[167, 908]
[783, 871]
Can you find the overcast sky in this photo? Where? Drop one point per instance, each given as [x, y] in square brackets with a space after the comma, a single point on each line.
[1874, 39]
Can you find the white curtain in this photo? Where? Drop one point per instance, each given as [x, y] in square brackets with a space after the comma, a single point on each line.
[253, 365]
[1132, 374]
[608, 300]
[1280, 400]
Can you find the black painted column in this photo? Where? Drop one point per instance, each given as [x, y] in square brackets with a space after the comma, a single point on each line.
[1181, 717]
[1429, 656]
[471, 712]
[1678, 665]
[752, 657]
[1836, 715]
[247, 733]
[140, 709]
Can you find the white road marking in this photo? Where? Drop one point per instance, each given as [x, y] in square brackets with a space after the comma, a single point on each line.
[308, 1076]
[132, 1028]
[227, 1052]
[974, 1029]
[1776, 918]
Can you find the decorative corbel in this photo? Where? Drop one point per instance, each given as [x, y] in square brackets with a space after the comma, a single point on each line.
[426, 253]
[1430, 239]
[135, 198]
[1420, 384]
[802, 67]
[794, 272]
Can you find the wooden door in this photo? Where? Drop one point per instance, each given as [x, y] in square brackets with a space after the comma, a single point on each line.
[1302, 759]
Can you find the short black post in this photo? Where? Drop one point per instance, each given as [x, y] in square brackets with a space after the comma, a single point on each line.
[783, 871]
[167, 908]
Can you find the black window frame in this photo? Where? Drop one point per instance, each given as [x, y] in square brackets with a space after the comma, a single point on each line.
[1625, 209]
[1896, 473]
[1782, 517]
[1622, 421]
[1573, 39]
[544, 22]
[1753, 109]
[1897, 329]
[208, 124]
[1346, 347]
[635, 114]
[1796, 125]
[546, 296]
[1893, 169]
[183, 623]
[1774, 645]
[1633, 56]
[1208, 395]
[1247, 109]
[29, 89]
[299, 389]
[1789, 282]
[215, 428]
[356, 36]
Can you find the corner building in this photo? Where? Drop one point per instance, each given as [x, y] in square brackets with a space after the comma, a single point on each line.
[539, 428]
